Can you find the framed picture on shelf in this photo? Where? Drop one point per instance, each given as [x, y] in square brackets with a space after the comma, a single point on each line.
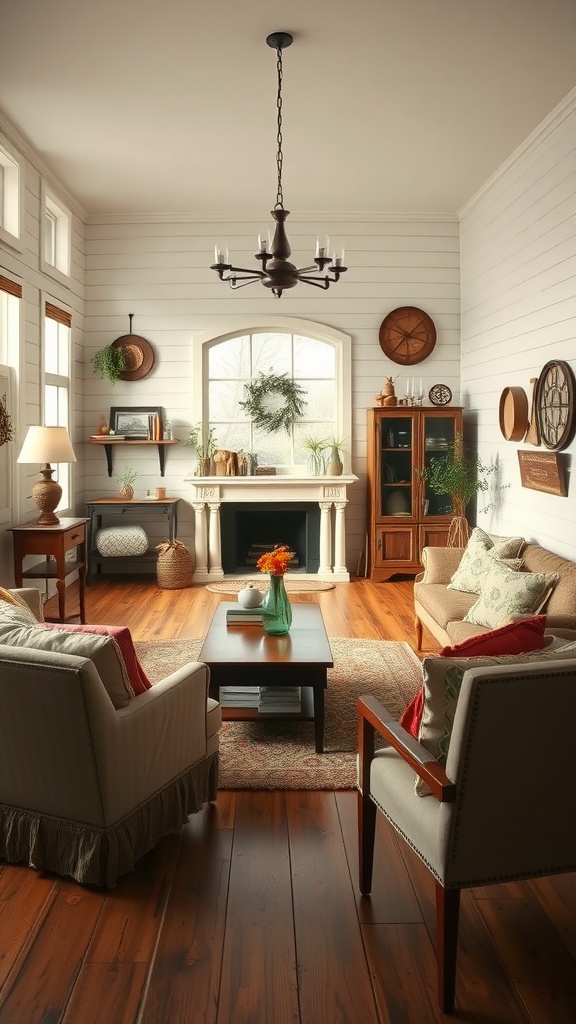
[133, 423]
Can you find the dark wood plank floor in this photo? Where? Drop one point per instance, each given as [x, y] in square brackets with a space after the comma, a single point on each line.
[251, 915]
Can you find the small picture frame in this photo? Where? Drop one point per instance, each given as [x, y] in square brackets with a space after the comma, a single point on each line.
[133, 422]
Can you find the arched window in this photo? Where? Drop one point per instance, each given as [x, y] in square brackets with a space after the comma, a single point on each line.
[315, 357]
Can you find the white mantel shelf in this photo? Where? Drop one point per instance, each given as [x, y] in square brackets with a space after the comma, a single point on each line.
[329, 491]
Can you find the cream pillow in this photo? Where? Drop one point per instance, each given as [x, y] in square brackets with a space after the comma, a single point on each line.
[17, 612]
[478, 556]
[442, 678]
[103, 651]
[506, 593]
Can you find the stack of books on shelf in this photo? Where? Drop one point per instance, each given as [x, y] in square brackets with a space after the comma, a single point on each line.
[279, 700]
[240, 616]
[239, 696]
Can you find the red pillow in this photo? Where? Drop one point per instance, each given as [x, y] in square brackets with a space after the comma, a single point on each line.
[410, 719]
[518, 637]
[138, 679]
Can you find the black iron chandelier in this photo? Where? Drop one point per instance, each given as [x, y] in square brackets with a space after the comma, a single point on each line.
[277, 272]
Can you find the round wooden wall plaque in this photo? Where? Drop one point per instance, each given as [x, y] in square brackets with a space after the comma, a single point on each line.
[513, 413]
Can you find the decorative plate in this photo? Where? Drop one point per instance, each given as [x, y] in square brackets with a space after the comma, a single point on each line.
[554, 403]
[440, 394]
[407, 335]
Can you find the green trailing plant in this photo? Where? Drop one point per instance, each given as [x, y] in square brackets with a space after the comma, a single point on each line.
[110, 363]
[274, 402]
[6, 425]
[205, 446]
[127, 477]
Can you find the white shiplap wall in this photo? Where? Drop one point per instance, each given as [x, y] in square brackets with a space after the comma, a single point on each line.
[518, 273]
[158, 269]
[24, 267]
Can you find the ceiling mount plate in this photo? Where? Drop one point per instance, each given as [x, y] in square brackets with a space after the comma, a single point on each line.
[279, 40]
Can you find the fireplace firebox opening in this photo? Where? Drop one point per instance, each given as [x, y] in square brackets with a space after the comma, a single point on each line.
[250, 528]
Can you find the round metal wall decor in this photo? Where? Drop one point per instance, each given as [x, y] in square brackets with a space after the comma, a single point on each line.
[407, 335]
[554, 402]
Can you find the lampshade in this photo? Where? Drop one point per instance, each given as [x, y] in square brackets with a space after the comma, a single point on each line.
[46, 445]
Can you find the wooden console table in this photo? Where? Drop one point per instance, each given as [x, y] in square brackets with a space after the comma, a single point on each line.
[100, 508]
[53, 542]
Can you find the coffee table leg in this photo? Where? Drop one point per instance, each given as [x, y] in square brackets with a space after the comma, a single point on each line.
[319, 718]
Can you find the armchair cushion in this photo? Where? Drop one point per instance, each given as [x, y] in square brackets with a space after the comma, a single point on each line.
[442, 681]
[103, 651]
[139, 681]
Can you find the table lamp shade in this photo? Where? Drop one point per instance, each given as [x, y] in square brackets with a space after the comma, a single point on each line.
[46, 445]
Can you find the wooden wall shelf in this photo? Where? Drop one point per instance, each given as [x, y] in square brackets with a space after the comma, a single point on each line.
[108, 444]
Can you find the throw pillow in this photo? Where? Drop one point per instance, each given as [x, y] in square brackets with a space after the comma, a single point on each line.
[513, 638]
[122, 541]
[138, 679]
[103, 651]
[477, 559]
[442, 679]
[412, 716]
[17, 611]
[506, 593]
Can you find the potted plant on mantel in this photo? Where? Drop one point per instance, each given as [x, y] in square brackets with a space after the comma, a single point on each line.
[205, 449]
[461, 474]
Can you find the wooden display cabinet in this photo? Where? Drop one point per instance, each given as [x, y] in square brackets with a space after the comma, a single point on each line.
[403, 514]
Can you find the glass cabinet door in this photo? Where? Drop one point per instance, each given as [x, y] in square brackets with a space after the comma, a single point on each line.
[397, 490]
[439, 433]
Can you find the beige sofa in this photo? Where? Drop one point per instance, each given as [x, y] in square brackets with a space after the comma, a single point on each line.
[442, 610]
[87, 788]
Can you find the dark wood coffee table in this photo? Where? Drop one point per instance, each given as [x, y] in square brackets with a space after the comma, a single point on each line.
[244, 655]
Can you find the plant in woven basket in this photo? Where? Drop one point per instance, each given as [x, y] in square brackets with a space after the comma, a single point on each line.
[274, 402]
[461, 474]
[126, 479]
[6, 427]
[110, 363]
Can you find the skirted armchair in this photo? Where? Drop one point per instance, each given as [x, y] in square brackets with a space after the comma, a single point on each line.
[87, 788]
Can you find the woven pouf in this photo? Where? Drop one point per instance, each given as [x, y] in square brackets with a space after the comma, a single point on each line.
[175, 565]
[121, 541]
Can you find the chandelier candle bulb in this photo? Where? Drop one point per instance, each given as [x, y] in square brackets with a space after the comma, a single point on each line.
[221, 254]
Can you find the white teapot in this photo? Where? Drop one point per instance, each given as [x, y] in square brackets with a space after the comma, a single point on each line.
[250, 596]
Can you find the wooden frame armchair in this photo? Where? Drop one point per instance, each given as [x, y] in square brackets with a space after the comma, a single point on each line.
[500, 811]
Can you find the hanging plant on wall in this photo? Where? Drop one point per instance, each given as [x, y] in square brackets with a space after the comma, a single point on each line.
[6, 427]
[274, 402]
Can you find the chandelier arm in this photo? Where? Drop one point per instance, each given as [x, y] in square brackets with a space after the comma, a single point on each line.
[256, 275]
[318, 282]
[240, 282]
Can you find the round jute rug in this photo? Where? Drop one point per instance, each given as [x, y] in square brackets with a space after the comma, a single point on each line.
[262, 583]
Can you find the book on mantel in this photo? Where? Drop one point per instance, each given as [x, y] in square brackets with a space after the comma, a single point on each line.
[239, 615]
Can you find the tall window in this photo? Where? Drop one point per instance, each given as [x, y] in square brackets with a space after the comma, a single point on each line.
[57, 324]
[56, 237]
[10, 296]
[11, 195]
[233, 362]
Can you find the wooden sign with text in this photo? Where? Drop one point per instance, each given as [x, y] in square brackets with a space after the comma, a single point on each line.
[543, 471]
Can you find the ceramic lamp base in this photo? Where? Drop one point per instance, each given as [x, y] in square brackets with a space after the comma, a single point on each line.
[47, 493]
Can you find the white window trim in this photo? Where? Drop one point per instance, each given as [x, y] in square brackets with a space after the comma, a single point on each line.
[63, 216]
[13, 192]
[342, 344]
[56, 379]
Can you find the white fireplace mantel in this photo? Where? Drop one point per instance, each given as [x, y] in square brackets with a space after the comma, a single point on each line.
[209, 492]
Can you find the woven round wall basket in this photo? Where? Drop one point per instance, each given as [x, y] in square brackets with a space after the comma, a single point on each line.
[175, 565]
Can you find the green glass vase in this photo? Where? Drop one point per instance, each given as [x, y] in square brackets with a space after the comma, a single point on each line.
[277, 610]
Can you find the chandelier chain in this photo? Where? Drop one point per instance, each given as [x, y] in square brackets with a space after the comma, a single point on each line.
[279, 155]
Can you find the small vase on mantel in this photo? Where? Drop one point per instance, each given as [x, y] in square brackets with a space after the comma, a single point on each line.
[277, 610]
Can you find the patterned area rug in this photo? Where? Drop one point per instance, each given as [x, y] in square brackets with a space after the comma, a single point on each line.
[279, 754]
[262, 583]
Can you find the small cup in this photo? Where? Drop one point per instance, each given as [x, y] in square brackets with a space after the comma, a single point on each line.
[160, 492]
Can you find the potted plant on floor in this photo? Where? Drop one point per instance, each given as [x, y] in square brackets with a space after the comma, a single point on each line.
[461, 474]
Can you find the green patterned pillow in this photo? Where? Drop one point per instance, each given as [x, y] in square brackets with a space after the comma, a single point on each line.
[442, 679]
[478, 558]
[506, 593]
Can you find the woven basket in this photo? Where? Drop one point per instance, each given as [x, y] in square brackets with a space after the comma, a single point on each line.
[175, 566]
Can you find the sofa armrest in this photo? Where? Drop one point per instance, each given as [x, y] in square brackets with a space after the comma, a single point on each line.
[33, 599]
[440, 564]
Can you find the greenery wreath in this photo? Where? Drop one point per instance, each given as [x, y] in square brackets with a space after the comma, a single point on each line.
[268, 385]
[6, 427]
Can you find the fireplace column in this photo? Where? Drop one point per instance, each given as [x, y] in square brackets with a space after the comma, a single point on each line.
[214, 539]
[325, 537]
[340, 537]
[200, 540]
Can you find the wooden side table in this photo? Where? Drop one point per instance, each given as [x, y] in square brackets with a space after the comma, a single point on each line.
[53, 542]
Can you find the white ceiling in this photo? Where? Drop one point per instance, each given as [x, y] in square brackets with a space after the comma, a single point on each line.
[390, 106]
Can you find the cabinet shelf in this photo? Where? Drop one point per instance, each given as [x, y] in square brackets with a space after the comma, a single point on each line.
[108, 444]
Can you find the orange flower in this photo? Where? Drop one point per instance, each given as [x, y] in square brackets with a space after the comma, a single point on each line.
[275, 562]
